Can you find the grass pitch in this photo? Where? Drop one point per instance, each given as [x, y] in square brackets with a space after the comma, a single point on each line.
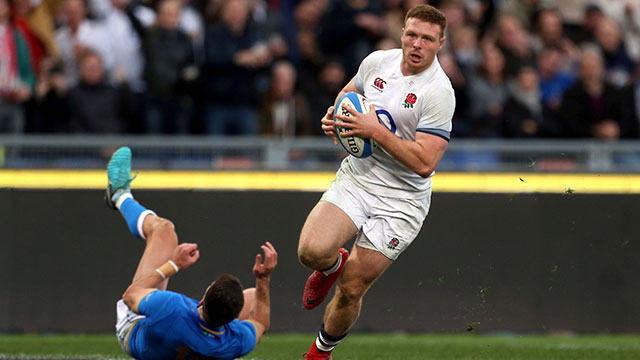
[357, 346]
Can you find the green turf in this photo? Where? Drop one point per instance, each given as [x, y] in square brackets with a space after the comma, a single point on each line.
[359, 346]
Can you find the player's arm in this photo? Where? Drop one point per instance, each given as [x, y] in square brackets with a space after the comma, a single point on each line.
[422, 155]
[327, 120]
[261, 311]
[184, 256]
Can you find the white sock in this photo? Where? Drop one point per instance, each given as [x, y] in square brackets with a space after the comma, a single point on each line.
[122, 198]
[335, 266]
[326, 342]
[322, 347]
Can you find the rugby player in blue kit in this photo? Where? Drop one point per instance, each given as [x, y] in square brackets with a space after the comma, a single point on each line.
[153, 323]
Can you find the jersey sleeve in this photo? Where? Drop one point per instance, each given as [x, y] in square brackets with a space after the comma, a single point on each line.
[437, 113]
[246, 335]
[158, 303]
[366, 65]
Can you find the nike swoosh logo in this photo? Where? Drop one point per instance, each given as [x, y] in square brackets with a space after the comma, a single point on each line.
[313, 301]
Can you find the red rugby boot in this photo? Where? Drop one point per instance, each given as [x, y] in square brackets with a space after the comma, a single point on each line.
[318, 284]
[315, 354]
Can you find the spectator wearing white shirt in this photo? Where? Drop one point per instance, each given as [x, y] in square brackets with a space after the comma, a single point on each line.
[78, 36]
[626, 13]
[125, 44]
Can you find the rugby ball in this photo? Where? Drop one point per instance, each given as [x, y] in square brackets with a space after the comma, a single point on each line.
[355, 145]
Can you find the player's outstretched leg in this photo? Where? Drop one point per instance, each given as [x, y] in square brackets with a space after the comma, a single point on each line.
[319, 283]
[161, 242]
[119, 196]
[364, 267]
[159, 233]
[323, 235]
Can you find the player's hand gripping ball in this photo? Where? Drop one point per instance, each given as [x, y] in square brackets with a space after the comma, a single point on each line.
[355, 145]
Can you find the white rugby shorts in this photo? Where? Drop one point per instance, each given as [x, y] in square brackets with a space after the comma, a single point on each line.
[385, 224]
[125, 319]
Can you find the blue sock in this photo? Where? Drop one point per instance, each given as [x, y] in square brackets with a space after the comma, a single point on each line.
[131, 210]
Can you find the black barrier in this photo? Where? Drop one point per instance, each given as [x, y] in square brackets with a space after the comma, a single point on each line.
[483, 262]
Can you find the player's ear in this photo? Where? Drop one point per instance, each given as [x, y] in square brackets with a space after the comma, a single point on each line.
[442, 40]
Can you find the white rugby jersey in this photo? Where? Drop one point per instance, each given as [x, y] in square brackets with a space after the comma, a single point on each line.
[405, 104]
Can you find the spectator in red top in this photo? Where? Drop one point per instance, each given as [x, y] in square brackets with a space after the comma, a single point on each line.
[16, 75]
[21, 10]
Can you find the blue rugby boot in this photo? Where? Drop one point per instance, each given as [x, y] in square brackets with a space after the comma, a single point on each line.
[119, 174]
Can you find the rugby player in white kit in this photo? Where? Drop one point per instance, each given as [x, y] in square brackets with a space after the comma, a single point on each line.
[383, 199]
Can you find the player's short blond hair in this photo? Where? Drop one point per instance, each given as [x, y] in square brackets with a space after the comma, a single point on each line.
[428, 13]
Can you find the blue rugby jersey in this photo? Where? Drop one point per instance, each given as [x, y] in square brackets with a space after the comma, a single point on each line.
[172, 329]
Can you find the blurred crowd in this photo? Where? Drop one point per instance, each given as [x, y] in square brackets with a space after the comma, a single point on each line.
[520, 68]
